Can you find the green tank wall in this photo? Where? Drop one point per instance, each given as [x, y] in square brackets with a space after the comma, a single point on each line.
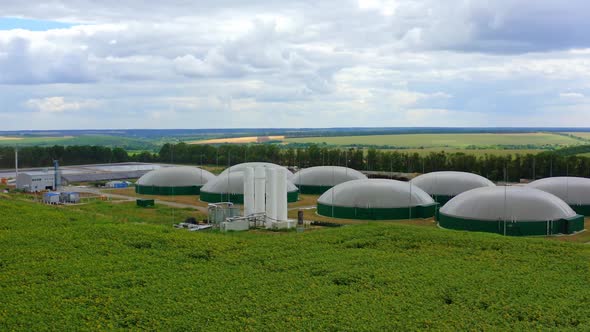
[292, 196]
[154, 190]
[342, 212]
[513, 228]
[581, 209]
[441, 199]
[313, 190]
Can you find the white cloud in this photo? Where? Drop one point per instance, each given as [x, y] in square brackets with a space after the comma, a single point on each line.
[59, 104]
[568, 95]
[300, 63]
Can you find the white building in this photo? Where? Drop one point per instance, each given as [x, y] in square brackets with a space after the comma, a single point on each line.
[35, 181]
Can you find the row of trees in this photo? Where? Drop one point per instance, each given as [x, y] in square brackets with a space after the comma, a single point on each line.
[36, 156]
[509, 167]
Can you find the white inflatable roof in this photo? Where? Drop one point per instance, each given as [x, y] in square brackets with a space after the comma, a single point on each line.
[233, 182]
[183, 176]
[507, 203]
[572, 190]
[375, 193]
[326, 176]
[242, 166]
[450, 183]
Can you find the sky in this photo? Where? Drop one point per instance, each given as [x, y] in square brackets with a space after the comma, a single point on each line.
[82, 64]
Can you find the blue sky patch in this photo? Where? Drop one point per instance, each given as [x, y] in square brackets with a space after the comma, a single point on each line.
[11, 23]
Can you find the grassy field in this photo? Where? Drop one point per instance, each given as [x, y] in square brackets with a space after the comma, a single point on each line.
[238, 140]
[584, 135]
[101, 266]
[477, 152]
[444, 140]
[102, 140]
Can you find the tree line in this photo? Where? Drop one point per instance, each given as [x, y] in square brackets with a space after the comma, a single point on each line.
[511, 167]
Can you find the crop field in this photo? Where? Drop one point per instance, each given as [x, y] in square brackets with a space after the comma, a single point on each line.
[101, 266]
[239, 140]
[584, 135]
[445, 140]
[102, 140]
[476, 152]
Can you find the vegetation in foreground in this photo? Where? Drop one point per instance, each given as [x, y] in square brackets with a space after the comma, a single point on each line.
[88, 268]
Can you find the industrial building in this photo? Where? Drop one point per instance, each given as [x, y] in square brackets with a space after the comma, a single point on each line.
[35, 181]
[575, 191]
[443, 186]
[241, 167]
[173, 181]
[377, 199]
[316, 180]
[510, 211]
[229, 187]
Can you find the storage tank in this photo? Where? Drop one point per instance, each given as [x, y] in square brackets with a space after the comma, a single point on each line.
[182, 180]
[575, 191]
[316, 180]
[376, 199]
[230, 188]
[443, 186]
[510, 211]
[242, 166]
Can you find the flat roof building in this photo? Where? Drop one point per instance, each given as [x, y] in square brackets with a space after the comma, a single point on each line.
[35, 181]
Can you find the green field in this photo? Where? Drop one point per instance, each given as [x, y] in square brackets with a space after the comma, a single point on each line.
[101, 140]
[477, 152]
[101, 266]
[458, 141]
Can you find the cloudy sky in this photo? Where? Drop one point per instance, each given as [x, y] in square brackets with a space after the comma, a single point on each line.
[82, 64]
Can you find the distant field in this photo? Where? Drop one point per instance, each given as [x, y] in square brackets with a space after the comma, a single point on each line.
[444, 140]
[240, 140]
[129, 143]
[477, 152]
[34, 140]
[584, 135]
[5, 138]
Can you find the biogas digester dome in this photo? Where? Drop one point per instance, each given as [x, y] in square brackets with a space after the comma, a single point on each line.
[575, 191]
[229, 187]
[443, 186]
[510, 211]
[241, 167]
[376, 199]
[173, 181]
[316, 180]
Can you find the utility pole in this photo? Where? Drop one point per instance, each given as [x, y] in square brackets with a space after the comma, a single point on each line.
[16, 161]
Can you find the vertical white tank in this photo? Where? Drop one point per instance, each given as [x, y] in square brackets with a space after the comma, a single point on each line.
[248, 191]
[259, 189]
[271, 197]
[281, 194]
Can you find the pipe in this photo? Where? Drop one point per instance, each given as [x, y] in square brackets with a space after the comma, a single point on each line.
[249, 202]
[259, 189]
[271, 197]
[281, 194]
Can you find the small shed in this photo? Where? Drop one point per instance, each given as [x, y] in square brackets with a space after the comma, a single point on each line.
[69, 197]
[51, 198]
[117, 184]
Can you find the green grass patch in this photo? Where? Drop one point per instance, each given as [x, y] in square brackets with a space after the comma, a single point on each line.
[445, 140]
[98, 267]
